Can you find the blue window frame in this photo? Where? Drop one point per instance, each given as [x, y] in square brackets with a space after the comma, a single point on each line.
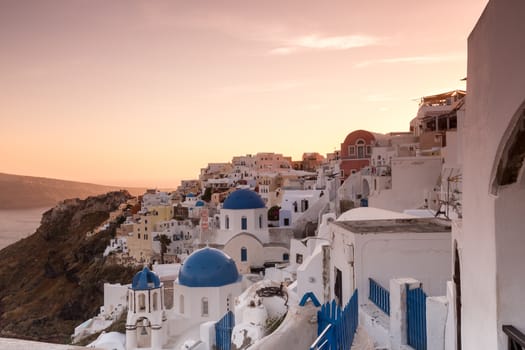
[244, 254]
[244, 223]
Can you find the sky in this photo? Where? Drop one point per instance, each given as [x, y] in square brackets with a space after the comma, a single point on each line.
[145, 93]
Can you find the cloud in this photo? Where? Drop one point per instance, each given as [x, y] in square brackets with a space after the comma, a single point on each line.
[413, 60]
[317, 42]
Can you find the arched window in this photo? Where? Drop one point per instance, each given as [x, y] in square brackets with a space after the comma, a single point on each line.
[260, 221]
[131, 302]
[244, 223]
[244, 254]
[360, 146]
[204, 308]
[227, 222]
[181, 304]
[155, 301]
[142, 302]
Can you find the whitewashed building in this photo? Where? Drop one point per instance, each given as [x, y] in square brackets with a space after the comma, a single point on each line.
[489, 241]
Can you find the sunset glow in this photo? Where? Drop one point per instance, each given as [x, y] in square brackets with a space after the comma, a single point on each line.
[145, 93]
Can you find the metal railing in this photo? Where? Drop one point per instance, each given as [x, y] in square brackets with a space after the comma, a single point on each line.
[516, 338]
[379, 295]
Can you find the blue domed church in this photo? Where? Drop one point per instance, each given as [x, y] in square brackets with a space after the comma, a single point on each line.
[207, 285]
[204, 292]
[243, 232]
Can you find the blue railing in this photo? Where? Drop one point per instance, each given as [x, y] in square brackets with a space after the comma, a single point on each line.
[379, 296]
[223, 331]
[336, 327]
[416, 318]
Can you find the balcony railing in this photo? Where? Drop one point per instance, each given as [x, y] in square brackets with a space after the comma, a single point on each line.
[379, 296]
[516, 338]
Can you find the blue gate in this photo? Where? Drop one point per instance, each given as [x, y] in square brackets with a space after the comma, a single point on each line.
[223, 331]
[336, 327]
[416, 318]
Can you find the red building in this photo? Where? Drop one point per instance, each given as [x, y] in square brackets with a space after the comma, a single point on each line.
[356, 151]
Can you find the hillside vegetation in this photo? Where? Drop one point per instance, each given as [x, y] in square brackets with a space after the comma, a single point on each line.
[53, 280]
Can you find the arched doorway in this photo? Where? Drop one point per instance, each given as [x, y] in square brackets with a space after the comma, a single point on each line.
[508, 188]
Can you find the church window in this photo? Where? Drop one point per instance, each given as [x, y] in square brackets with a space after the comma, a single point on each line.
[244, 223]
[260, 221]
[227, 222]
[142, 302]
[351, 151]
[155, 301]
[181, 304]
[204, 307]
[286, 257]
[299, 258]
[244, 254]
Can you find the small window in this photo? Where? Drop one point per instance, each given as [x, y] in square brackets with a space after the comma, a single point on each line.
[286, 222]
[155, 301]
[299, 258]
[244, 254]
[351, 150]
[181, 304]
[142, 302]
[227, 222]
[260, 221]
[204, 307]
[244, 223]
[286, 257]
[138, 235]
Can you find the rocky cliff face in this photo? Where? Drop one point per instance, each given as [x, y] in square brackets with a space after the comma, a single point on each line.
[53, 280]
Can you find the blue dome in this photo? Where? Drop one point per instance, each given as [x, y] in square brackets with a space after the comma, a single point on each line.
[243, 199]
[199, 204]
[190, 195]
[208, 267]
[145, 279]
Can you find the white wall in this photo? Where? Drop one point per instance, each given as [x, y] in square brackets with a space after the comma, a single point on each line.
[114, 294]
[423, 256]
[383, 256]
[413, 179]
[496, 85]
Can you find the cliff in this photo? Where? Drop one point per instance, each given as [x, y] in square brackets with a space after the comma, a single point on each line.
[53, 280]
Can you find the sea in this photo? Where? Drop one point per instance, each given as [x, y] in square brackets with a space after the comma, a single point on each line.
[18, 224]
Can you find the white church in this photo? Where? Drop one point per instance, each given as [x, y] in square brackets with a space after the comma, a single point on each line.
[243, 232]
[203, 293]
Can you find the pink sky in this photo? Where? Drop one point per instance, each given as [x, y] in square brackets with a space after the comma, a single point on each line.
[146, 93]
